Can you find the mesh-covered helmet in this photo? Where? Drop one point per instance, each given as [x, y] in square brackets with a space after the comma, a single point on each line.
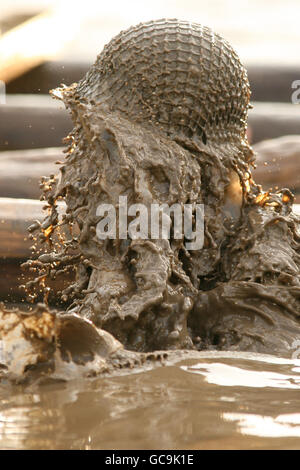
[179, 76]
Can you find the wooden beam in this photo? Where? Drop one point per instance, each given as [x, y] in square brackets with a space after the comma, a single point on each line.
[268, 83]
[21, 171]
[34, 121]
[272, 83]
[13, 276]
[16, 215]
[36, 40]
[271, 120]
[32, 124]
[278, 163]
[46, 76]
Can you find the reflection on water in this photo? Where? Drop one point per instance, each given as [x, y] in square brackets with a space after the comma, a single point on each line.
[228, 375]
[218, 401]
[256, 425]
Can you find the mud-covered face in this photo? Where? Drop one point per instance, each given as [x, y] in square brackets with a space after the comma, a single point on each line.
[143, 177]
[124, 159]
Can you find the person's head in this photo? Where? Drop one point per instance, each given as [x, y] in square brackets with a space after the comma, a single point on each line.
[179, 77]
[160, 117]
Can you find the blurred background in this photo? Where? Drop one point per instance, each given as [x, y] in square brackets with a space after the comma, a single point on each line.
[44, 43]
[262, 31]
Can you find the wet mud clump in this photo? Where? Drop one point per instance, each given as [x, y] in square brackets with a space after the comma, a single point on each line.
[40, 345]
[161, 118]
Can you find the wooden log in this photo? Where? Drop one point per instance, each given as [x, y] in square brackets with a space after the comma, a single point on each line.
[36, 40]
[49, 75]
[268, 82]
[11, 20]
[21, 171]
[278, 163]
[13, 276]
[272, 82]
[38, 121]
[271, 120]
[16, 215]
[33, 124]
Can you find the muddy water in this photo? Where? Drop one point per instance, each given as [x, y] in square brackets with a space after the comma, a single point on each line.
[218, 401]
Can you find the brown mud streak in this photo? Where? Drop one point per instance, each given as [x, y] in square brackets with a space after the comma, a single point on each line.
[161, 117]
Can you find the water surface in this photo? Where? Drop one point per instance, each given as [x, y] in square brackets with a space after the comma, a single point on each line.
[219, 401]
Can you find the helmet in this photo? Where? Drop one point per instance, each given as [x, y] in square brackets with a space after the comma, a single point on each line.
[178, 76]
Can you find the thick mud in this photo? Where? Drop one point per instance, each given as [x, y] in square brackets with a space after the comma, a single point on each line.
[167, 128]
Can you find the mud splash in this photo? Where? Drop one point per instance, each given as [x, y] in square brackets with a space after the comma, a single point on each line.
[178, 137]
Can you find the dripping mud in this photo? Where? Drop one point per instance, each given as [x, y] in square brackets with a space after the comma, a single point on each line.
[140, 303]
